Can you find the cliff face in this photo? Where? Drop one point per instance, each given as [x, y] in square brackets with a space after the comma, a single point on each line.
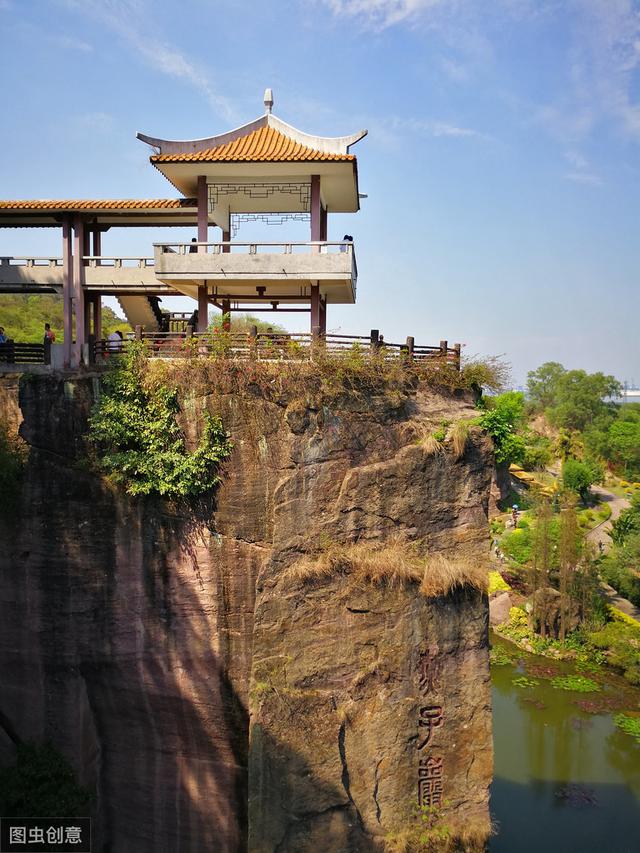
[212, 700]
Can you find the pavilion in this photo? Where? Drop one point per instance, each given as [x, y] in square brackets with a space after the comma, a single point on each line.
[265, 171]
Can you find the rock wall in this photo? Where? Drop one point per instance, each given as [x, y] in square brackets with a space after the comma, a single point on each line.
[211, 703]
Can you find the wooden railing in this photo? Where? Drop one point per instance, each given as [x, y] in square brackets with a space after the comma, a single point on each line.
[277, 346]
[16, 352]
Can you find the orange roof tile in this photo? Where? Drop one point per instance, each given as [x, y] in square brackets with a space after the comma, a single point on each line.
[99, 204]
[263, 145]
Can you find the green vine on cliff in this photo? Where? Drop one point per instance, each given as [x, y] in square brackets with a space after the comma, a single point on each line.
[138, 441]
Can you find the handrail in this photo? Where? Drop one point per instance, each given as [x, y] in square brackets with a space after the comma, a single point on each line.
[53, 261]
[227, 247]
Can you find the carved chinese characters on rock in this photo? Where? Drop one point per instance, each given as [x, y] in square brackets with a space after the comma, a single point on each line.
[429, 671]
[430, 782]
[431, 717]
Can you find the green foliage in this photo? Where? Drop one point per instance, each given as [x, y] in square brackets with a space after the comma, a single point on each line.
[497, 583]
[42, 784]
[572, 399]
[524, 681]
[538, 453]
[629, 725]
[141, 446]
[623, 447]
[620, 568]
[23, 317]
[501, 419]
[517, 545]
[13, 454]
[628, 522]
[578, 683]
[241, 323]
[499, 656]
[542, 384]
[580, 476]
[621, 644]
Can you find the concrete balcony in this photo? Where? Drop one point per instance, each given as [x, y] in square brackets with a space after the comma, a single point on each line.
[236, 270]
[101, 274]
[31, 275]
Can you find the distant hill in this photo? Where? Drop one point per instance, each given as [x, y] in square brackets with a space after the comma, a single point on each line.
[23, 317]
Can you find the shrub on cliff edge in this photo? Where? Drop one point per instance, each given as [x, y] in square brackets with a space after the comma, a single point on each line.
[138, 441]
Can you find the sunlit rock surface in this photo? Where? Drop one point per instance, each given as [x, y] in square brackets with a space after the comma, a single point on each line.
[210, 702]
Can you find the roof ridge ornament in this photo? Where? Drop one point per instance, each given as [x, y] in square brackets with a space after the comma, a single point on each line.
[268, 101]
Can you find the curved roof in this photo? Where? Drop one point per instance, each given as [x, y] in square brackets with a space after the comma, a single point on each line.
[263, 145]
[268, 138]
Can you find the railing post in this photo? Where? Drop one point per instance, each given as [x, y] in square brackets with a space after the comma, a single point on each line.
[457, 355]
[444, 346]
[138, 333]
[410, 346]
[253, 341]
[375, 339]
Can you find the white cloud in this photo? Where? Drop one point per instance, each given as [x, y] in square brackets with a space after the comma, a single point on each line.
[70, 43]
[603, 64]
[380, 14]
[131, 21]
[390, 132]
[587, 178]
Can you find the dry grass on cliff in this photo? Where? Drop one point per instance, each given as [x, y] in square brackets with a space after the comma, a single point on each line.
[435, 836]
[393, 563]
[444, 574]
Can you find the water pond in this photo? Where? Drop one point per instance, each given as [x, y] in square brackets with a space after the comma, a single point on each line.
[566, 778]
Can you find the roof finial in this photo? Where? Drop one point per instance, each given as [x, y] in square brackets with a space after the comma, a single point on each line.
[268, 100]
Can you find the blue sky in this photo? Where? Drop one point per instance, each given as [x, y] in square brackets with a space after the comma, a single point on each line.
[502, 163]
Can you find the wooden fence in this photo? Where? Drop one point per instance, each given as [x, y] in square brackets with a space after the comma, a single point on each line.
[273, 346]
[16, 352]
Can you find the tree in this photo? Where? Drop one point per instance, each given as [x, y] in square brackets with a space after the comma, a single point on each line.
[502, 418]
[23, 317]
[580, 397]
[542, 555]
[580, 476]
[542, 384]
[569, 553]
[628, 522]
[624, 446]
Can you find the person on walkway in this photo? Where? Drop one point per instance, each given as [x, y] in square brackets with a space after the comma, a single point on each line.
[192, 323]
[193, 248]
[49, 338]
[3, 337]
[114, 342]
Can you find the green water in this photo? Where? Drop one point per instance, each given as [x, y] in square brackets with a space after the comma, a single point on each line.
[544, 743]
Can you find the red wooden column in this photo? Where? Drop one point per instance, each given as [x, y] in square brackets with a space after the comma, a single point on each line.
[323, 316]
[67, 289]
[78, 290]
[203, 237]
[316, 324]
[226, 237]
[316, 209]
[203, 308]
[96, 302]
[203, 212]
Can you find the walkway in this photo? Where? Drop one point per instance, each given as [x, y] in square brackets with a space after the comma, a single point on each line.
[601, 534]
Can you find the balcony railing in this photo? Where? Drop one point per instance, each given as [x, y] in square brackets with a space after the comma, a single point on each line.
[239, 264]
